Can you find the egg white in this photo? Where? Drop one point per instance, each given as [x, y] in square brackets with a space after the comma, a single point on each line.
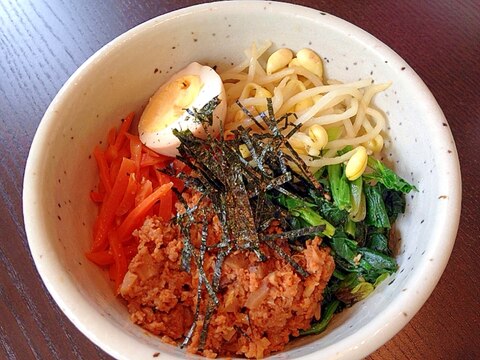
[163, 141]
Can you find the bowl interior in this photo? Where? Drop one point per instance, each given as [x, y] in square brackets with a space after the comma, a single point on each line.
[120, 78]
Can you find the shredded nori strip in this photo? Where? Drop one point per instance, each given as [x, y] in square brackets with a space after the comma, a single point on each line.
[287, 258]
[236, 189]
[249, 114]
[292, 234]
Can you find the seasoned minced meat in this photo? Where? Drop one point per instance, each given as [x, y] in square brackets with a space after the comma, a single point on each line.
[261, 303]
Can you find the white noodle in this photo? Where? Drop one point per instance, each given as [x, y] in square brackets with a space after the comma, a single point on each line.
[336, 117]
[329, 99]
[346, 108]
[320, 90]
[315, 80]
[366, 99]
[380, 124]
[275, 77]
[252, 64]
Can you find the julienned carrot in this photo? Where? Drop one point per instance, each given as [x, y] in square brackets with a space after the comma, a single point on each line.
[119, 257]
[152, 153]
[165, 208]
[150, 158]
[111, 153]
[116, 158]
[130, 188]
[115, 164]
[136, 152]
[137, 215]
[112, 135]
[177, 184]
[105, 257]
[162, 178]
[107, 212]
[145, 189]
[101, 258]
[97, 196]
[123, 130]
[128, 200]
[166, 203]
[103, 170]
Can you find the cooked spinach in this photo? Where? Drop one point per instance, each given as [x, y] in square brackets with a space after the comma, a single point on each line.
[382, 174]
[374, 263]
[339, 186]
[328, 209]
[344, 248]
[376, 212]
[378, 241]
[305, 211]
[394, 203]
[358, 216]
[327, 314]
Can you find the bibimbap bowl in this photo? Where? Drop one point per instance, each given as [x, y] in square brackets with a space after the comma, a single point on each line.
[121, 77]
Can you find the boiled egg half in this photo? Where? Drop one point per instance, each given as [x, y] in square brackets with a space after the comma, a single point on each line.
[191, 88]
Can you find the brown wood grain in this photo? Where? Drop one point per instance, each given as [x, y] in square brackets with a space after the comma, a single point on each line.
[43, 41]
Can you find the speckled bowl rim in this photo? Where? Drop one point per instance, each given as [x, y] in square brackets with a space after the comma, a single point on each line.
[372, 335]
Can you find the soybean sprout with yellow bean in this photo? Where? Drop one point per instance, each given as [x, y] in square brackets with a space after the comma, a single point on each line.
[332, 114]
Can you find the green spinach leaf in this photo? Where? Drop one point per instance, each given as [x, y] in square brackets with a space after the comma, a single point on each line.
[376, 212]
[339, 186]
[344, 247]
[327, 315]
[387, 177]
[394, 203]
[329, 210]
[378, 241]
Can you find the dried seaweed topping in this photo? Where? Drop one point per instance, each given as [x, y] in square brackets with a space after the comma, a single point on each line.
[237, 190]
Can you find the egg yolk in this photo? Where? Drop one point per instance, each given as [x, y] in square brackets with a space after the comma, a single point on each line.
[169, 103]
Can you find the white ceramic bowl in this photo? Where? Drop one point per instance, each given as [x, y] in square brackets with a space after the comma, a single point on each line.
[120, 78]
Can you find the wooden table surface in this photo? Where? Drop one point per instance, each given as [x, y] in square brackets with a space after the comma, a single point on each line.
[42, 42]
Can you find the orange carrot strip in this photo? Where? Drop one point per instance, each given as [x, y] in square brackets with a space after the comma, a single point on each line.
[101, 188]
[150, 157]
[111, 154]
[114, 168]
[97, 196]
[145, 190]
[101, 258]
[152, 153]
[125, 150]
[162, 178]
[107, 212]
[137, 215]
[112, 134]
[180, 166]
[149, 160]
[119, 258]
[179, 184]
[166, 205]
[102, 168]
[152, 176]
[123, 202]
[128, 200]
[123, 130]
[135, 151]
